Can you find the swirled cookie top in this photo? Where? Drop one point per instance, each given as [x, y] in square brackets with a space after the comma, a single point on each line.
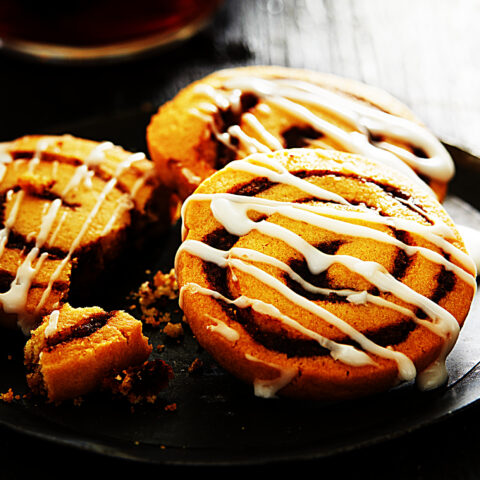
[323, 117]
[55, 192]
[244, 209]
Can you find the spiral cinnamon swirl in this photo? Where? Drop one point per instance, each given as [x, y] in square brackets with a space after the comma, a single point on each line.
[69, 206]
[235, 112]
[71, 352]
[320, 274]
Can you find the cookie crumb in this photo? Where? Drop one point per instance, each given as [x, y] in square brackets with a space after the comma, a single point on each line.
[153, 297]
[196, 366]
[157, 320]
[173, 330]
[35, 184]
[8, 396]
[141, 383]
[171, 407]
[166, 284]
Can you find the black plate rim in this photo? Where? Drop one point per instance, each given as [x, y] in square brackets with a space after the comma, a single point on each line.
[172, 456]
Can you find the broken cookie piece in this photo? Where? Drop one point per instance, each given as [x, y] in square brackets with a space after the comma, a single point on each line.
[70, 208]
[74, 349]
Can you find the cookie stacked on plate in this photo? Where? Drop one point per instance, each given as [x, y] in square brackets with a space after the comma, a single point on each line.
[70, 208]
[317, 261]
[232, 113]
[309, 273]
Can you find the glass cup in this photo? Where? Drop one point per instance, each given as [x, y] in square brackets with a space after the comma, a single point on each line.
[95, 30]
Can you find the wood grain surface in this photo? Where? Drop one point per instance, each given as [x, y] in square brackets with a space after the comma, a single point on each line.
[425, 52]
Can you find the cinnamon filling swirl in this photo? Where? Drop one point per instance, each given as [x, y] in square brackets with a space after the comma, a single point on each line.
[83, 329]
[264, 109]
[307, 280]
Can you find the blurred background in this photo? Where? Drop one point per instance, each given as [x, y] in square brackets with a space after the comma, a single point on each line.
[425, 52]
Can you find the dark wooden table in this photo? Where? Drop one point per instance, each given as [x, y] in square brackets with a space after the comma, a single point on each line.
[425, 52]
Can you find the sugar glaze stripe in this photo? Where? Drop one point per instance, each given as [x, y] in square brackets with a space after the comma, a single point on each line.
[236, 222]
[295, 97]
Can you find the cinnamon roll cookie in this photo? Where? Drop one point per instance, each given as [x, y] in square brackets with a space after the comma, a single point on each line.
[319, 274]
[69, 207]
[71, 352]
[235, 112]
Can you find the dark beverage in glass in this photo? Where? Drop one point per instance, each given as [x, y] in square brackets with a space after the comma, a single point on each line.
[90, 29]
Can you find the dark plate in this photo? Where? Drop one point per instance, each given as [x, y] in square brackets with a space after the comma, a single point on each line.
[218, 420]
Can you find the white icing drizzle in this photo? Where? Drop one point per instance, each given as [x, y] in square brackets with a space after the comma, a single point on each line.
[352, 296]
[295, 98]
[231, 211]
[268, 388]
[437, 233]
[250, 144]
[123, 205]
[47, 222]
[140, 182]
[5, 156]
[97, 155]
[14, 300]
[58, 227]
[345, 353]
[41, 146]
[76, 242]
[190, 176]
[279, 174]
[109, 186]
[270, 140]
[223, 329]
[128, 162]
[52, 323]
[82, 175]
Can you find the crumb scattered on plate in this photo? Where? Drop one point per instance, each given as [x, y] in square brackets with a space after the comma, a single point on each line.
[141, 383]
